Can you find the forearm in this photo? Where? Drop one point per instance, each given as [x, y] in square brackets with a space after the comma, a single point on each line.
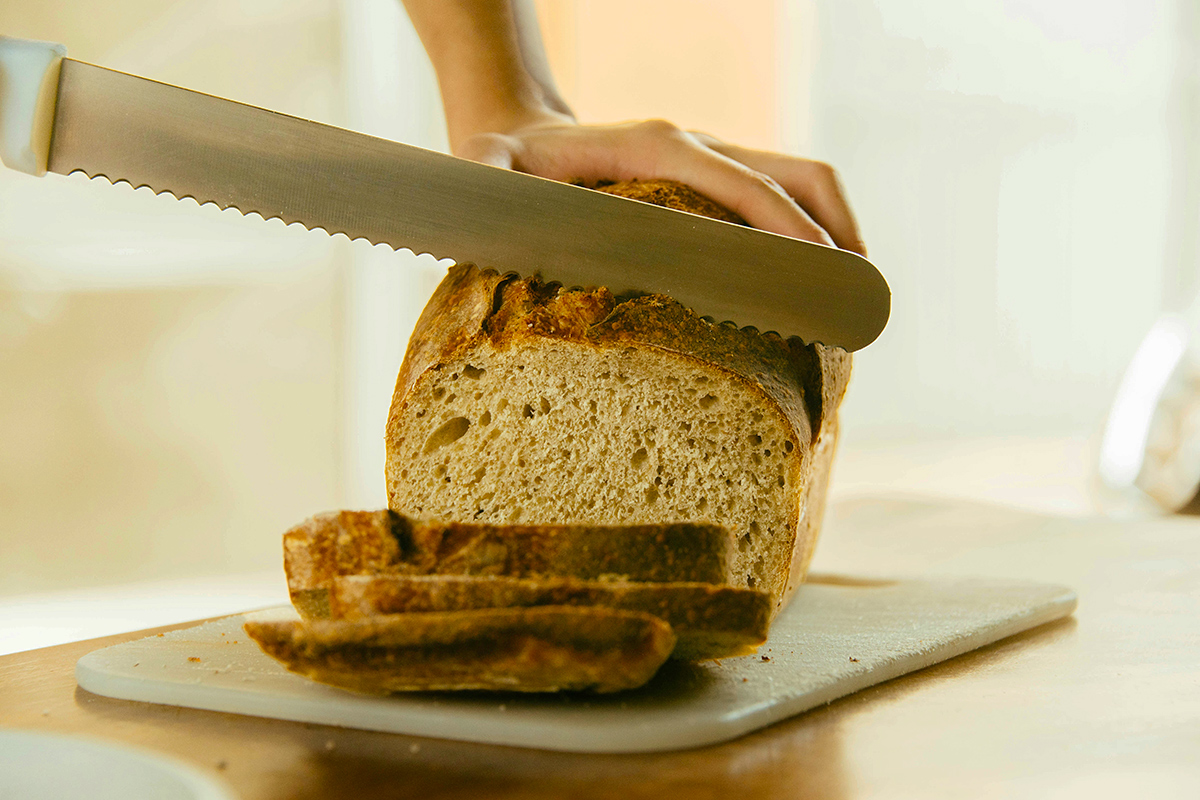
[490, 64]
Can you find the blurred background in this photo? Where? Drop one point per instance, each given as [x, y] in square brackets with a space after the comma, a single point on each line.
[179, 385]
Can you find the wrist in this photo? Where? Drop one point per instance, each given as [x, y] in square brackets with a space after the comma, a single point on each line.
[506, 120]
[488, 83]
[504, 110]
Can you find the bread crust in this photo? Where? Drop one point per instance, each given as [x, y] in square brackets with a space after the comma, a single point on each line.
[804, 383]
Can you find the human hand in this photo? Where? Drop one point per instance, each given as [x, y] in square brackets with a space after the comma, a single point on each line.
[774, 192]
[502, 108]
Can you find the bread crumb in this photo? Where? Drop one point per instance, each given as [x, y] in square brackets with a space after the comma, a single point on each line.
[194, 659]
[855, 660]
[766, 658]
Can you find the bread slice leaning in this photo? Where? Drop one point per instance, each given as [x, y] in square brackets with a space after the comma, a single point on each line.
[708, 621]
[385, 543]
[521, 402]
[501, 649]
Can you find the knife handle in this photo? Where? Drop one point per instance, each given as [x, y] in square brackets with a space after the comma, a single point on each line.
[28, 92]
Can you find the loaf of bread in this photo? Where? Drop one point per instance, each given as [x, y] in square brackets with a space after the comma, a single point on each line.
[520, 402]
[544, 649]
[580, 485]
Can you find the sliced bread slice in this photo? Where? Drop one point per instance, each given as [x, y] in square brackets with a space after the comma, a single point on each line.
[542, 649]
[709, 621]
[383, 542]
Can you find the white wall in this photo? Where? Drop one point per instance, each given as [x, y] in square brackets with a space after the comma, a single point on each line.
[1016, 168]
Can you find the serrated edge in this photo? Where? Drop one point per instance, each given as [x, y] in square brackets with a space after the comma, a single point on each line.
[246, 213]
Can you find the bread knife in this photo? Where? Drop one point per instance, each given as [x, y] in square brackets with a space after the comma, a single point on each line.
[64, 116]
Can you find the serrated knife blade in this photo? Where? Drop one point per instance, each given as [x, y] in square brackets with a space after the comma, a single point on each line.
[146, 133]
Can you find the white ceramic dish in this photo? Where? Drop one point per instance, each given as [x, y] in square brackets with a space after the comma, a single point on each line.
[40, 766]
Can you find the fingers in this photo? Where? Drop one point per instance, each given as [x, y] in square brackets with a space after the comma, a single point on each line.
[814, 184]
[782, 194]
[657, 149]
[753, 195]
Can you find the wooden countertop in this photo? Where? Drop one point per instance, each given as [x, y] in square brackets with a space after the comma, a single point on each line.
[1104, 704]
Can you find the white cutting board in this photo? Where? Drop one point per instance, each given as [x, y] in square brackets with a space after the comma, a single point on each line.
[838, 636]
